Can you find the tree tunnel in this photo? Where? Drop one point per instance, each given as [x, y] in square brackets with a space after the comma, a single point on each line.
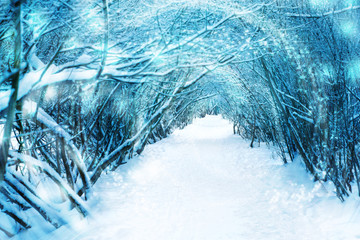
[85, 85]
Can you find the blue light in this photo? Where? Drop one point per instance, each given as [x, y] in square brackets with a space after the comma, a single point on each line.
[354, 71]
[350, 28]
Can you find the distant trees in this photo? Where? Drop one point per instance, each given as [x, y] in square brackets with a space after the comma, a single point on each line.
[85, 85]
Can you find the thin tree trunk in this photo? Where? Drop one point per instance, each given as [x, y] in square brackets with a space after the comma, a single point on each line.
[253, 130]
[4, 147]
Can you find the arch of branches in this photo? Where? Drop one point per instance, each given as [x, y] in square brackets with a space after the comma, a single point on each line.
[85, 85]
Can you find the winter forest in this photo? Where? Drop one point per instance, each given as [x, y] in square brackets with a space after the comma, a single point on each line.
[86, 86]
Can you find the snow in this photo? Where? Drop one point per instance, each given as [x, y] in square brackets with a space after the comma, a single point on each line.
[33, 80]
[203, 182]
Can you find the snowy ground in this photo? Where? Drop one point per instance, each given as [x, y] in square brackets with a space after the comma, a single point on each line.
[205, 183]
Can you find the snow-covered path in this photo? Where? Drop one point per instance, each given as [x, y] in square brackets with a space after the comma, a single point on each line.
[205, 183]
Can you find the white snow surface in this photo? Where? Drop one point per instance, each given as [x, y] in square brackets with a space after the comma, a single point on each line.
[203, 182]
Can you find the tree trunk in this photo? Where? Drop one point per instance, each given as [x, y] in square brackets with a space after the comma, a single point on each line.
[4, 147]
